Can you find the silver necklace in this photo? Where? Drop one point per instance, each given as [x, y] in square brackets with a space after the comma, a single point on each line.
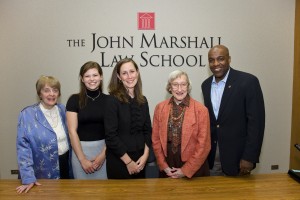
[92, 97]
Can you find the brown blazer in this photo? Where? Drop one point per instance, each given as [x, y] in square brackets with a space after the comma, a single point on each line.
[195, 141]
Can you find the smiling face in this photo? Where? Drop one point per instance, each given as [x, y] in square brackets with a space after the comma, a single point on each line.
[128, 75]
[49, 96]
[179, 88]
[91, 79]
[219, 61]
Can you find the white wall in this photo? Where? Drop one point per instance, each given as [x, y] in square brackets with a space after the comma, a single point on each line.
[33, 41]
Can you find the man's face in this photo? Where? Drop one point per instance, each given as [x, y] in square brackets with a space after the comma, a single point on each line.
[219, 61]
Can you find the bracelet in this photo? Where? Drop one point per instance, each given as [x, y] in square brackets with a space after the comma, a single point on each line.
[129, 162]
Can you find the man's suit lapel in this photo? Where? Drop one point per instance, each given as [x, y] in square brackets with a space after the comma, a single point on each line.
[229, 87]
[207, 98]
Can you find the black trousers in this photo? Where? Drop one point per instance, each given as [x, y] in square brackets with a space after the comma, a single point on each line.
[64, 165]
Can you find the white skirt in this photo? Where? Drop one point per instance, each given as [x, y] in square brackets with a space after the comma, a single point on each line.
[90, 149]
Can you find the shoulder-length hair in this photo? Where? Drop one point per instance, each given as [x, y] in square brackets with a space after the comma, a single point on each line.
[47, 80]
[82, 92]
[117, 89]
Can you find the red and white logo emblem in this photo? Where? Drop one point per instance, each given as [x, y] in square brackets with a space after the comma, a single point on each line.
[146, 21]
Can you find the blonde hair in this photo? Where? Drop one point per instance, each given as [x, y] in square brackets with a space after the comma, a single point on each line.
[47, 80]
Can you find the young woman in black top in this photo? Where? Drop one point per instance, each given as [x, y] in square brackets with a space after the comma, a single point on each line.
[85, 118]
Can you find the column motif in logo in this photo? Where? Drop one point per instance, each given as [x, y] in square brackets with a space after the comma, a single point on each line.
[146, 21]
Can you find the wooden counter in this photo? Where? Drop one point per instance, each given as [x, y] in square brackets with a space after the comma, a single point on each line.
[266, 186]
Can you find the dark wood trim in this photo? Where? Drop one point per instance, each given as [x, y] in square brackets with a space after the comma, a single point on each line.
[295, 135]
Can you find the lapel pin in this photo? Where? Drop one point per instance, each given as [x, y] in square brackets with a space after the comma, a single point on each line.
[229, 86]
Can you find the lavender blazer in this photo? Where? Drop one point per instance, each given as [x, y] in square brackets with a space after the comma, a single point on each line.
[37, 150]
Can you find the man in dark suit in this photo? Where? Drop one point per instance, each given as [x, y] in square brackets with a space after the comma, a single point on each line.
[237, 116]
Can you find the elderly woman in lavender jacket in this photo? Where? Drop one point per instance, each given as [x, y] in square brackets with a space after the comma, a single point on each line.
[42, 139]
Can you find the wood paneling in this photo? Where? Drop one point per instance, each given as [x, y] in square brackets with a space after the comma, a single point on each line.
[295, 135]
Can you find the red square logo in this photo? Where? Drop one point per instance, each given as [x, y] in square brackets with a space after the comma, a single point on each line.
[146, 21]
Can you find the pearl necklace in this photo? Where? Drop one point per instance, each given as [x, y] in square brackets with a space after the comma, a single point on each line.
[54, 119]
[92, 97]
[51, 115]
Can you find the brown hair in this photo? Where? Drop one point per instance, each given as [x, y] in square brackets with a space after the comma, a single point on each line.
[82, 93]
[117, 89]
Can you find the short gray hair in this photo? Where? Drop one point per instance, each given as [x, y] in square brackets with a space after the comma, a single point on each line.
[176, 74]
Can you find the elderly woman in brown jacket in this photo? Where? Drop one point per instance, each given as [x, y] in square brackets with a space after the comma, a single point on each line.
[181, 131]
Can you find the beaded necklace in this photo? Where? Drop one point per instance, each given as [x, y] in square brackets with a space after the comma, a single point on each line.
[175, 128]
